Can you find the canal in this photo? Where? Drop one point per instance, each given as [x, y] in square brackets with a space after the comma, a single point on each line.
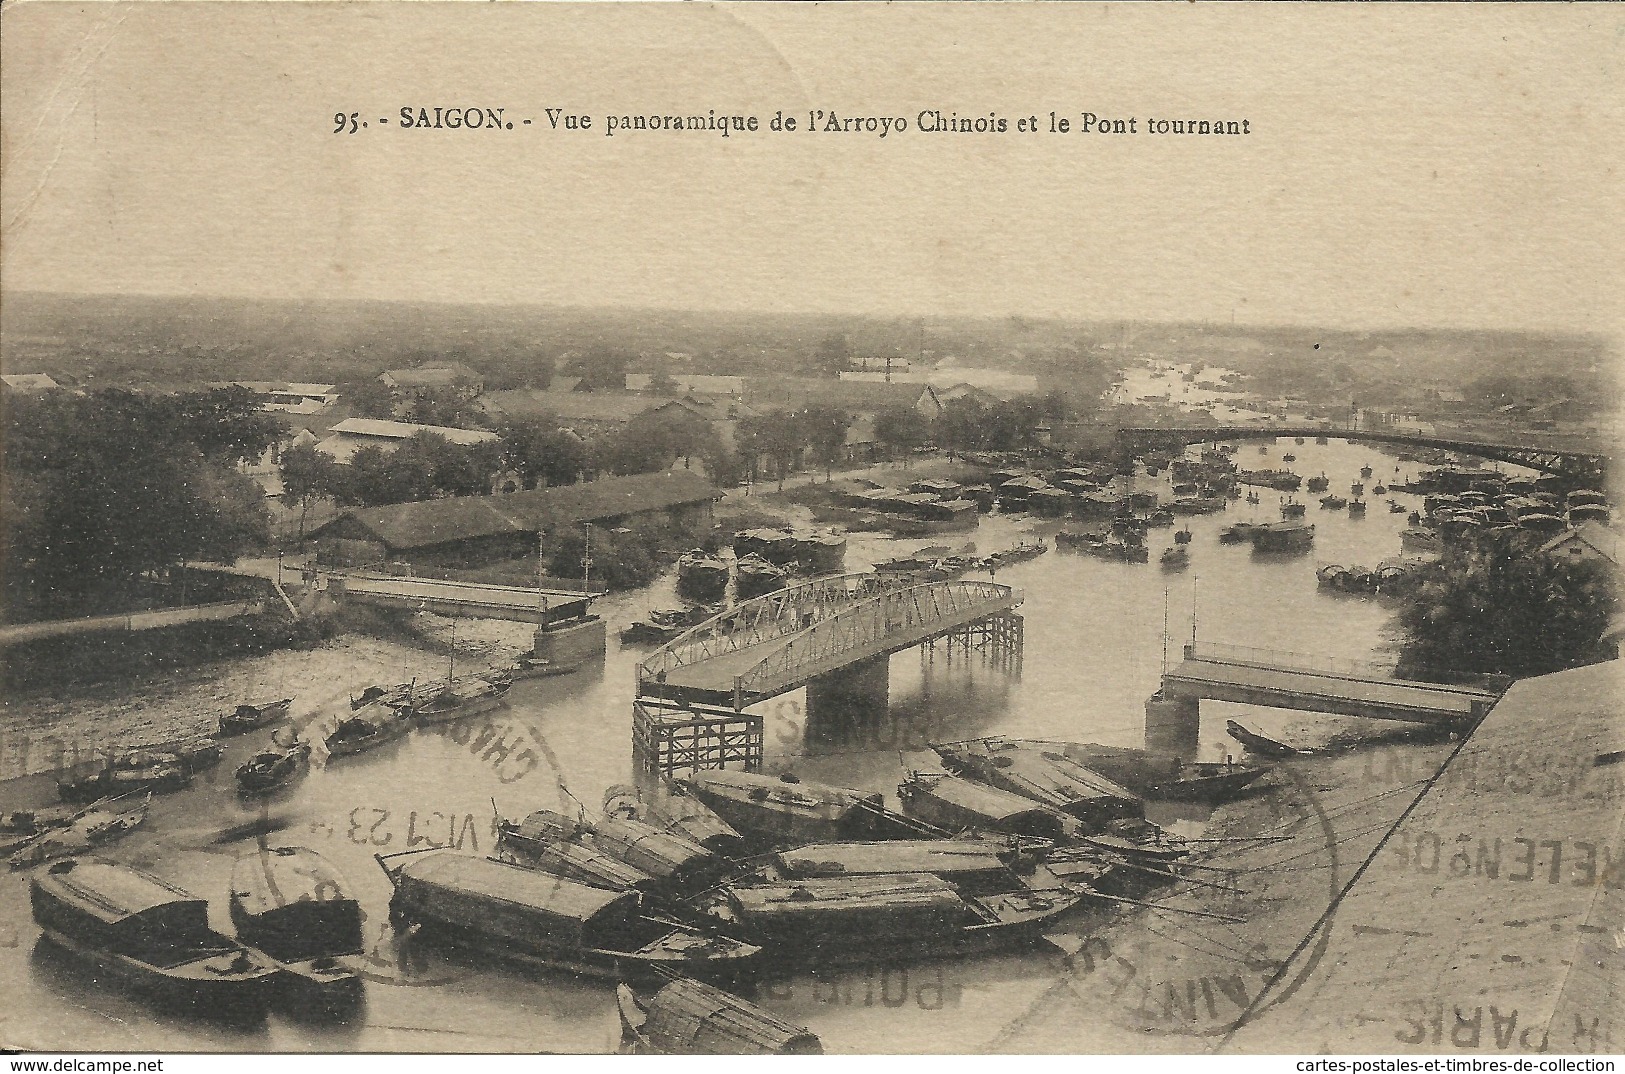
[1097, 635]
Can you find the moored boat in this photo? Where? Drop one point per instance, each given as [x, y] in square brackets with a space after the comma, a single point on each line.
[678, 812]
[756, 576]
[528, 665]
[776, 810]
[400, 694]
[1285, 536]
[538, 843]
[368, 728]
[688, 1017]
[274, 769]
[702, 575]
[150, 935]
[460, 698]
[1044, 774]
[983, 862]
[1137, 841]
[101, 779]
[548, 921]
[954, 804]
[96, 826]
[890, 915]
[1163, 776]
[292, 905]
[678, 863]
[645, 632]
[1264, 746]
[254, 714]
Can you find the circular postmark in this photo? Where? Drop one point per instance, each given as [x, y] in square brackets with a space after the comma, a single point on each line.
[396, 951]
[1187, 970]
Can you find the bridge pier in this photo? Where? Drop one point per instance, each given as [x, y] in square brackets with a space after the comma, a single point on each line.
[573, 642]
[1173, 724]
[857, 691]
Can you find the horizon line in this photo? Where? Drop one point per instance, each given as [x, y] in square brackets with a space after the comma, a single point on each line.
[1578, 334]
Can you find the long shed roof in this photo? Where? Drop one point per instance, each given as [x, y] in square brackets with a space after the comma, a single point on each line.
[425, 523]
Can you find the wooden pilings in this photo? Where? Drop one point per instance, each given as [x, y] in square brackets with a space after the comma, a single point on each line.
[669, 739]
[996, 640]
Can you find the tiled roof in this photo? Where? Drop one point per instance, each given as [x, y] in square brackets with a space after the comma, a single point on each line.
[425, 523]
[402, 430]
[569, 406]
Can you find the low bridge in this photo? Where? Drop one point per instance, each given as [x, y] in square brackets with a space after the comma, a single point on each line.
[1580, 457]
[519, 604]
[1291, 681]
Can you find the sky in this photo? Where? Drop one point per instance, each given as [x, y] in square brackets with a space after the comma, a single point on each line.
[1453, 165]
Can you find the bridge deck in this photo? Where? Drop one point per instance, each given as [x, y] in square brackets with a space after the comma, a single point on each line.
[464, 598]
[716, 675]
[1302, 689]
[824, 646]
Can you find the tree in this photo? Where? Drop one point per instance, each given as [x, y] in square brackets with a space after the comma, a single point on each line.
[600, 368]
[834, 354]
[901, 429]
[1496, 604]
[106, 487]
[779, 436]
[542, 453]
[370, 398]
[824, 430]
[961, 426]
[425, 466]
[308, 475]
[447, 407]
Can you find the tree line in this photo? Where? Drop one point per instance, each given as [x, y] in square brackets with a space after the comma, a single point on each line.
[541, 451]
[103, 493]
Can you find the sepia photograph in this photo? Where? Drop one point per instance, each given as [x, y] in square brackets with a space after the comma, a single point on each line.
[890, 529]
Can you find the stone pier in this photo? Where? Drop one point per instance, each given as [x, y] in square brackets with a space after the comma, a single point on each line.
[1173, 724]
[857, 691]
[573, 642]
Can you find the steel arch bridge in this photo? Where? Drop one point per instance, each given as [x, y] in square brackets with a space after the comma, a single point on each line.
[1582, 458]
[777, 642]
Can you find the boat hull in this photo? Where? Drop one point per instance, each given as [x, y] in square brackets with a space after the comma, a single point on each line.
[234, 998]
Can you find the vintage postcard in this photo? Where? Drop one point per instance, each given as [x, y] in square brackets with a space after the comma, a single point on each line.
[892, 528]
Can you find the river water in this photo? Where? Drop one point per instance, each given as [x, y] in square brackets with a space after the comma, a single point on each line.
[1095, 642]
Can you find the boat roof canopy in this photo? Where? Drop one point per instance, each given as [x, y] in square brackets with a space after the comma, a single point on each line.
[479, 880]
[935, 856]
[999, 806]
[885, 891]
[268, 880]
[688, 1017]
[116, 894]
[780, 793]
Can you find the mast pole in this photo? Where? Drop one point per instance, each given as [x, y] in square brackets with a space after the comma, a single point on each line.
[586, 566]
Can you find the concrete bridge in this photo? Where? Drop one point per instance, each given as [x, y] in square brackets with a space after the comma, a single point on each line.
[1583, 458]
[832, 635]
[519, 604]
[1293, 681]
